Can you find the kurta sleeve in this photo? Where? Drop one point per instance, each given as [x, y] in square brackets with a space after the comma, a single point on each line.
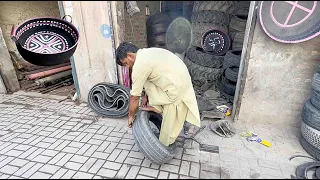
[140, 74]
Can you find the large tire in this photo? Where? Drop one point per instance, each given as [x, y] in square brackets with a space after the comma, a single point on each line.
[242, 8]
[311, 135]
[148, 142]
[223, 6]
[158, 18]
[316, 82]
[237, 36]
[157, 29]
[311, 115]
[197, 71]
[199, 29]
[315, 99]
[236, 46]
[227, 87]
[198, 56]
[214, 17]
[231, 73]
[312, 151]
[159, 39]
[238, 23]
[232, 59]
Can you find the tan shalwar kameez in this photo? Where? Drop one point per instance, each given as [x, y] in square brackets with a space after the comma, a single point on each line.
[168, 85]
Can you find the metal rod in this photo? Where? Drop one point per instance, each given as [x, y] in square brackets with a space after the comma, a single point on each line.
[47, 73]
[54, 77]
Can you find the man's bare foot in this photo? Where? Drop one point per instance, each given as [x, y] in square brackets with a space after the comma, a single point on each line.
[150, 108]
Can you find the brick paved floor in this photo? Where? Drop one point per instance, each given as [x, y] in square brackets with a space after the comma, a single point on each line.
[45, 138]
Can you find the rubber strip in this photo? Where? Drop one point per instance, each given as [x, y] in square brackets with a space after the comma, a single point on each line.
[110, 100]
[301, 171]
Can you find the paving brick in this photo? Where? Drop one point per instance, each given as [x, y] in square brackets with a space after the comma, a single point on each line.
[169, 168]
[95, 142]
[112, 165]
[8, 148]
[80, 137]
[49, 152]
[91, 150]
[123, 171]
[271, 172]
[31, 171]
[55, 133]
[71, 150]
[14, 153]
[82, 175]
[133, 172]
[59, 174]
[100, 155]
[36, 141]
[79, 159]
[155, 166]
[34, 154]
[68, 174]
[102, 129]
[42, 159]
[195, 170]
[88, 164]
[24, 168]
[149, 172]
[51, 169]
[43, 145]
[67, 137]
[108, 131]
[64, 159]
[4, 176]
[62, 133]
[146, 163]
[107, 173]
[133, 161]
[96, 166]
[163, 175]
[40, 175]
[192, 158]
[135, 154]
[83, 149]
[62, 145]
[185, 167]
[18, 162]
[18, 140]
[73, 165]
[209, 175]
[113, 139]
[143, 177]
[56, 158]
[8, 169]
[28, 152]
[173, 176]
[124, 146]
[87, 138]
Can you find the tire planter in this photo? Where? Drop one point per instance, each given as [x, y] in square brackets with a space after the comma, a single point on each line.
[311, 135]
[213, 17]
[231, 73]
[231, 59]
[147, 141]
[238, 23]
[198, 71]
[110, 100]
[200, 57]
[311, 115]
[215, 41]
[223, 6]
[314, 152]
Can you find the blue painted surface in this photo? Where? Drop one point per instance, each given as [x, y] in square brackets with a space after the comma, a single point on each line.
[105, 30]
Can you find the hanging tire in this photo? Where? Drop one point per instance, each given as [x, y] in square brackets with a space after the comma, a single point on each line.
[158, 18]
[231, 73]
[227, 87]
[231, 59]
[237, 36]
[198, 71]
[213, 17]
[312, 151]
[223, 6]
[311, 115]
[311, 135]
[198, 56]
[148, 142]
[238, 23]
[237, 46]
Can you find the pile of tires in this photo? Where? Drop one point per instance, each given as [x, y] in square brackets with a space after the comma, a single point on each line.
[310, 125]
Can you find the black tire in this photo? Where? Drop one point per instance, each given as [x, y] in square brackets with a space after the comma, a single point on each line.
[226, 96]
[311, 135]
[242, 8]
[316, 82]
[311, 115]
[198, 56]
[215, 17]
[157, 29]
[312, 151]
[236, 46]
[223, 6]
[238, 23]
[198, 71]
[227, 87]
[175, 14]
[199, 29]
[231, 73]
[159, 39]
[315, 99]
[236, 36]
[231, 59]
[158, 18]
[148, 142]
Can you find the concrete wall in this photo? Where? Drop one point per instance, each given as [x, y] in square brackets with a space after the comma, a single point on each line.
[16, 12]
[94, 58]
[135, 26]
[278, 80]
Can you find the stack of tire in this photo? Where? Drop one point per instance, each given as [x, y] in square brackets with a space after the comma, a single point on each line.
[310, 125]
[205, 67]
[157, 26]
[232, 58]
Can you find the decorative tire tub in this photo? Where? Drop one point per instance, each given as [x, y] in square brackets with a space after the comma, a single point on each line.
[215, 42]
[46, 41]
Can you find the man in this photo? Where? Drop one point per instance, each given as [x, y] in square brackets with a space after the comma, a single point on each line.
[167, 85]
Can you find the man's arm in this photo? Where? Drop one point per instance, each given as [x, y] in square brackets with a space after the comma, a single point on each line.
[133, 106]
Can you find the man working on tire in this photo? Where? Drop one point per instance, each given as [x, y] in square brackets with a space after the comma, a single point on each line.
[168, 86]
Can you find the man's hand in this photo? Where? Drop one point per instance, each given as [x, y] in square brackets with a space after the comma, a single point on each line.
[144, 101]
[133, 106]
[130, 121]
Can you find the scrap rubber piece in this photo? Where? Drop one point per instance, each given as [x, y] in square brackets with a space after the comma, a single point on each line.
[110, 100]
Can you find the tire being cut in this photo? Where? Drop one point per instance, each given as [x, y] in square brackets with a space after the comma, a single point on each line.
[198, 71]
[223, 6]
[214, 17]
[148, 142]
[311, 115]
[232, 59]
[231, 73]
[238, 23]
[312, 151]
[198, 56]
[311, 135]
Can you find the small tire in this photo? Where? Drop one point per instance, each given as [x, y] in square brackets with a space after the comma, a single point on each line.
[214, 17]
[311, 115]
[148, 142]
[311, 135]
[238, 23]
[231, 73]
[227, 87]
[198, 56]
[231, 59]
[312, 151]
[223, 6]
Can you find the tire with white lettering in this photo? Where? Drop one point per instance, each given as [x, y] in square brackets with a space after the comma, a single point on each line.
[147, 141]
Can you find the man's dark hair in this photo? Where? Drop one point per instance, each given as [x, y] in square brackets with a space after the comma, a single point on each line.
[123, 49]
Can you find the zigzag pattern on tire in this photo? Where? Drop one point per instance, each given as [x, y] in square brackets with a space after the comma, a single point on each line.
[214, 17]
[224, 6]
[311, 135]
